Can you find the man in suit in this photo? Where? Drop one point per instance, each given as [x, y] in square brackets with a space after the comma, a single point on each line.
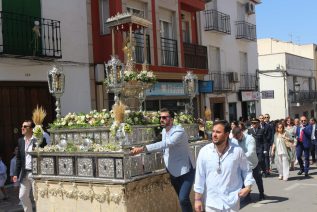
[178, 159]
[313, 149]
[303, 135]
[23, 167]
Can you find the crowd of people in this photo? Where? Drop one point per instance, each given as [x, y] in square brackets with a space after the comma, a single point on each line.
[239, 155]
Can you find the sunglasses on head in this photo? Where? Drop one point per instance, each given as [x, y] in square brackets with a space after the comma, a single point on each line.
[164, 117]
[25, 126]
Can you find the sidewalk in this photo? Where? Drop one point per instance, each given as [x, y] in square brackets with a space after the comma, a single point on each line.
[11, 204]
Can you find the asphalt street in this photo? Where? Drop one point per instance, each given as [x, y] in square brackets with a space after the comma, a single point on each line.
[298, 194]
[295, 195]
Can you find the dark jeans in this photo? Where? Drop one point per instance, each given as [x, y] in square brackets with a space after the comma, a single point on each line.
[258, 178]
[299, 152]
[183, 185]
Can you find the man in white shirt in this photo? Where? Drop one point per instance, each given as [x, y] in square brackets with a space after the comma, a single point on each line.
[24, 164]
[221, 170]
[247, 143]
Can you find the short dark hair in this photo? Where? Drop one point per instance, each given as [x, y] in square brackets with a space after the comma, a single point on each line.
[236, 131]
[166, 110]
[225, 124]
[32, 123]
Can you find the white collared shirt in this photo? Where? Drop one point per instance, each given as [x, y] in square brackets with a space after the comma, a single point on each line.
[28, 148]
[222, 187]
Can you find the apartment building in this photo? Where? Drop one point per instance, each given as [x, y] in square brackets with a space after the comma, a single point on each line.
[173, 47]
[288, 72]
[228, 29]
[34, 35]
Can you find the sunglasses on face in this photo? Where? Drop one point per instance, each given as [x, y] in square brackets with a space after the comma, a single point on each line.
[266, 117]
[164, 117]
[25, 126]
[303, 120]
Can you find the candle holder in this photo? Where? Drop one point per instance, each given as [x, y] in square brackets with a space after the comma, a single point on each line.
[56, 86]
[190, 83]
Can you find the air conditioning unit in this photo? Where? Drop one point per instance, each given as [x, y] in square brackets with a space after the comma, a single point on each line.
[250, 8]
[233, 77]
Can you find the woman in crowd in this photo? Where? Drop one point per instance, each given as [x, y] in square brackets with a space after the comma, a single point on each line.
[234, 124]
[279, 149]
[291, 130]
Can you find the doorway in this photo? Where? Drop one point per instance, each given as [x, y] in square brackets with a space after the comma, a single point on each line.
[217, 105]
[17, 102]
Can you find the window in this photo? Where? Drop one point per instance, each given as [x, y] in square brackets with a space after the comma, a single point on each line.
[243, 62]
[186, 32]
[136, 12]
[104, 15]
[215, 65]
[166, 29]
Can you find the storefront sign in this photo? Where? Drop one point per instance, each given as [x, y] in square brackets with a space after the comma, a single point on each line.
[205, 86]
[269, 94]
[166, 89]
[250, 95]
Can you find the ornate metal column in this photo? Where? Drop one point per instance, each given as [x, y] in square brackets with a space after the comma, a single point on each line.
[56, 85]
[190, 82]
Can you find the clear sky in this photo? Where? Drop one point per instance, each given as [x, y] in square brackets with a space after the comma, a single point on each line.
[287, 20]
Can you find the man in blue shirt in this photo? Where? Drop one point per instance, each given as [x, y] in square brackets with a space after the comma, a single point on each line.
[178, 159]
[221, 170]
[247, 143]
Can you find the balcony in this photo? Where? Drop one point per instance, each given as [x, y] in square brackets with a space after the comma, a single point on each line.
[217, 21]
[195, 56]
[303, 96]
[24, 35]
[139, 48]
[248, 82]
[169, 52]
[221, 81]
[246, 31]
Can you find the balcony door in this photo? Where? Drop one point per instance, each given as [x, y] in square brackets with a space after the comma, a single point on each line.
[18, 32]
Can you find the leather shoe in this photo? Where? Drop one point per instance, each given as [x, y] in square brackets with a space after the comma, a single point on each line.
[261, 197]
[306, 175]
[300, 172]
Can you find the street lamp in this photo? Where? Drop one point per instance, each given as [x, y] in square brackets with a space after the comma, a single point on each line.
[115, 76]
[56, 86]
[190, 82]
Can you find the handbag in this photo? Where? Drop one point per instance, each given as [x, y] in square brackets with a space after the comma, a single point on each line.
[287, 142]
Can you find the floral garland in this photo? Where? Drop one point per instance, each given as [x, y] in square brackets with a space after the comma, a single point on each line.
[71, 147]
[142, 76]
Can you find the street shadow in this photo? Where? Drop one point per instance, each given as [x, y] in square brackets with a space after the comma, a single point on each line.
[267, 200]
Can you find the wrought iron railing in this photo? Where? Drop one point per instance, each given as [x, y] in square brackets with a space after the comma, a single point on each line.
[246, 30]
[169, 52]
[139, 48]
[248, 82]
[217, 21]
[221, 81]
[303, 96]
[25, 35]
[195, 56]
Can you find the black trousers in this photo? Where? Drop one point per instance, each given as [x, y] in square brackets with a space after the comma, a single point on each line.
[256, 172]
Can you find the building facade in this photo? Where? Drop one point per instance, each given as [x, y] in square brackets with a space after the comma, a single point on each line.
[228, 29]
[173, 47]
[35, 34]
[287, 73]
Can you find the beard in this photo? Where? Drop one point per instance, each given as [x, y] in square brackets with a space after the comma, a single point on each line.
[218, 143]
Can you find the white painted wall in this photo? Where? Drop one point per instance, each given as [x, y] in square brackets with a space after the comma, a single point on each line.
[76, 51]
[280, 106]
[230, 48]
